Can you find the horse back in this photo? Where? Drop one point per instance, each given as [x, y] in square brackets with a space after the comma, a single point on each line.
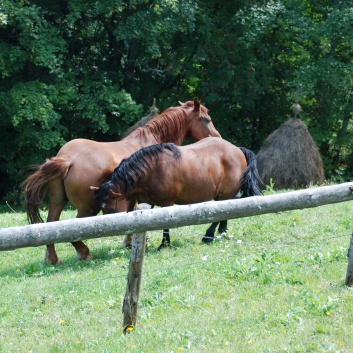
[216, 166]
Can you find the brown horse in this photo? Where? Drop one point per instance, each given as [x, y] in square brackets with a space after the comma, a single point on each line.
[81, 163]
[164, 175]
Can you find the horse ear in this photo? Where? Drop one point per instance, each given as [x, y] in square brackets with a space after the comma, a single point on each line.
[197, 104]
[116, 194]
[181, 103]
[94, 188]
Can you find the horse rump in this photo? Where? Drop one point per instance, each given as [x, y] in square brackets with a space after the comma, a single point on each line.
[36, 186]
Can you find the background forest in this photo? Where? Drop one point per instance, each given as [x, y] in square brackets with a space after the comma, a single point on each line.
[82, 68]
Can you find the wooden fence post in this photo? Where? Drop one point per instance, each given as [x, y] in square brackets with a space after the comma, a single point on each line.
[349, 275]
[130, 303]
[134, 281]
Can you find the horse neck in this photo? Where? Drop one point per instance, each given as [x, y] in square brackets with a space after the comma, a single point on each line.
[170, 126]
[141, 138]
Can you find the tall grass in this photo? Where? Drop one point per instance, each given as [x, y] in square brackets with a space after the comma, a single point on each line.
[275, 283]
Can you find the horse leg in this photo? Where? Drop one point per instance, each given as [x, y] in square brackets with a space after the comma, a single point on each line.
[223, 228]
[209, 236]
[127, 240]
[57, 202]
[165, 240]
[51, 257]
[82, 251]
[131, 206]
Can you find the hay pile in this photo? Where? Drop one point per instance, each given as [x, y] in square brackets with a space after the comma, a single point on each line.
[290, 157]
[154, 111]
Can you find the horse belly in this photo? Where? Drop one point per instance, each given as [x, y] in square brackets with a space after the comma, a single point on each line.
[201, 178]
[158, 196]
[194, 187]
[196, 193]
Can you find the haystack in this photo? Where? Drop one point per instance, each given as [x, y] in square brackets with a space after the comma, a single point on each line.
[289, 157]
[154, 111]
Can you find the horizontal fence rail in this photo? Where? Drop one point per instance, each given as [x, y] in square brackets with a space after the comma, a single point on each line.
[169, 217]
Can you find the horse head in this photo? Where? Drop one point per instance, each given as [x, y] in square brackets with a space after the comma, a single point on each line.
[106, 197]
[201, 124]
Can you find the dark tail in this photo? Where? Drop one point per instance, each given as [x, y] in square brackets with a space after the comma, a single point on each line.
[251, 181]
[36, 185]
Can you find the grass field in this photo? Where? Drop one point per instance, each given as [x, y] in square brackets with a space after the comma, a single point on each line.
[275, 283]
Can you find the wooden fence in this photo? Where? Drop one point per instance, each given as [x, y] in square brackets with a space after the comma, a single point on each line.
[141, 221]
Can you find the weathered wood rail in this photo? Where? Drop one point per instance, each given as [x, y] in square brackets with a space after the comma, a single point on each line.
[169, 217]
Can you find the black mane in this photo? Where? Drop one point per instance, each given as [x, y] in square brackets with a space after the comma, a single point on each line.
[132, 169]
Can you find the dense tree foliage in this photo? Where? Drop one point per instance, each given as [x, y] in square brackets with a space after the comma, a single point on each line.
[73, 68]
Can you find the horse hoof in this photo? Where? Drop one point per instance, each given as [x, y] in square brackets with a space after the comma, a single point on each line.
[222, 230]
[54, 262]
[207, 240]
[84, 257]
[163, 246]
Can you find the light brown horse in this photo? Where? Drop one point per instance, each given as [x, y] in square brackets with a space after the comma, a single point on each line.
[81, 163]
[164, 175]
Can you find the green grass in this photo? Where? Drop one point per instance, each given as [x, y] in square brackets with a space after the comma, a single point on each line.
[276, 284]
